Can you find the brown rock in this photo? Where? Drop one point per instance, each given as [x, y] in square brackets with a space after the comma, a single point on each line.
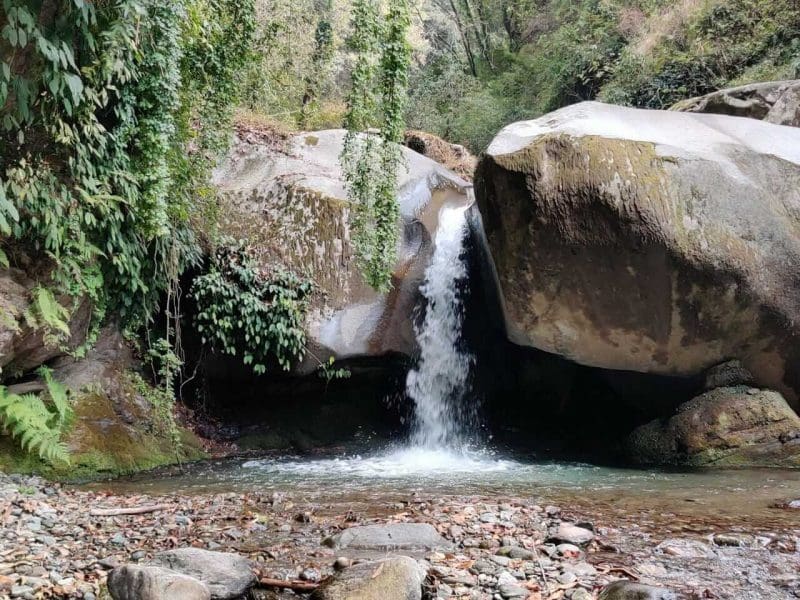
[775, 102]
[735, 426]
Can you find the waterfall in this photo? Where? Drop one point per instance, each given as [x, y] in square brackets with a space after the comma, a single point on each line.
[439, 383]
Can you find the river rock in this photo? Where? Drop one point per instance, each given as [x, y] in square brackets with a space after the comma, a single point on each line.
[652, 241]
[773, 101]
[133, 582]
[567, 533]
[396, 578]
[731, 426]
[393, 536]
[288, 201]
[727, 374]
[686, 548]
[226, 575]
[627, 590]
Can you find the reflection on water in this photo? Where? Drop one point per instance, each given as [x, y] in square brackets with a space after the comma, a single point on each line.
[400, 472]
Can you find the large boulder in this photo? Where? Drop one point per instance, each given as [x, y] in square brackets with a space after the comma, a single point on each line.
[288, 200]
[117, 427]
[726, 427]
[775, 102]
[651, 241]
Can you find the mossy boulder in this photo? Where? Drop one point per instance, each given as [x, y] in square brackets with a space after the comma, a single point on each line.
[726, 427]
[288, 201]
[650, 241]
[116, 429]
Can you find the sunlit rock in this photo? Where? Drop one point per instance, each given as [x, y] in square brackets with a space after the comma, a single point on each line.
[651, 241]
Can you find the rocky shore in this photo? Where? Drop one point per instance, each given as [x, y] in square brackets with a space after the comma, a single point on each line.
[60, 542]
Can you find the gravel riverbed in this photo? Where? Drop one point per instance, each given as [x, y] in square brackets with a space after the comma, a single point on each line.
[53, 546]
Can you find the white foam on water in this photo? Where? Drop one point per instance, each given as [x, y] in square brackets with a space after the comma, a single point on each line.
[400, 463]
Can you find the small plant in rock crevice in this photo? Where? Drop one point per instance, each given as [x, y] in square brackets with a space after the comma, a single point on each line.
[243, 311]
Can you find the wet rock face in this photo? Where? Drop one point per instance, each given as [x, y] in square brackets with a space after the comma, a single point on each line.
[649, 241]
[730, 426]
[397, 578]
[775, 102]
[133, 582]
[226, 575]
[291, 205]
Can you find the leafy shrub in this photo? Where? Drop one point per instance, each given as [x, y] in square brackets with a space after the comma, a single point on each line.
[102, 157]
[244, 312]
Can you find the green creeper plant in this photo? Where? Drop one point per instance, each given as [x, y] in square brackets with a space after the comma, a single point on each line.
[242, 311]
[370, 162]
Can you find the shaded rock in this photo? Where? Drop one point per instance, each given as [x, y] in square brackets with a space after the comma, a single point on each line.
[626, 590]
[393, 536]
[736, 426]
[225, 575]
[727, 374]
[651, 241]
[396, 578]
[133, 582]
[776, 102]
[567, 533]
[453, 156]
[289, 203]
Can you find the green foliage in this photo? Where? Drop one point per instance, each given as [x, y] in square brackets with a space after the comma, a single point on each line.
[328, 371]
[545, 54]
[723, 44]
[370, 163]
[45, 313]
[100, 110]
[37, 422]
[244, 312]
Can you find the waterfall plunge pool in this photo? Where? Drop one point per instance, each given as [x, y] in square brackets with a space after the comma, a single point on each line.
[741, 498]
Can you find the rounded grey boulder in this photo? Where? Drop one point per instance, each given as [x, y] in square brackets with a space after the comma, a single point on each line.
[627, 590]
[226, 575]
[134, 582]
[393, 536]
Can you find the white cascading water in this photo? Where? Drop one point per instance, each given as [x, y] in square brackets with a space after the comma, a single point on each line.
[440, 381]
[444, 413]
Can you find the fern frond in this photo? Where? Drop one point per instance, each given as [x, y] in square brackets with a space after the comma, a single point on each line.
[50, 313]
[58, 394]
[28, 420]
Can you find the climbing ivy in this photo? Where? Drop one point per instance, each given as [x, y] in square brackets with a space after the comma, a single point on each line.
[242, 311]
[371, 161]
[111, 115]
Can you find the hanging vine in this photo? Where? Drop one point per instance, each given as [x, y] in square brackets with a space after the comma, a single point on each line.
[371, 162]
